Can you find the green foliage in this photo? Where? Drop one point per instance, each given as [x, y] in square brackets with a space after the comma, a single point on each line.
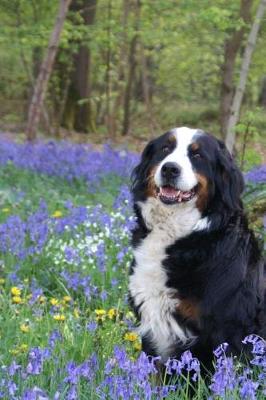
[249, 131]
[182, 41]
[25, 325]
[22, 190]
[251, 159]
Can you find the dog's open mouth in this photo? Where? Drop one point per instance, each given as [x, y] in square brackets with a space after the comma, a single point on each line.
[170, 195]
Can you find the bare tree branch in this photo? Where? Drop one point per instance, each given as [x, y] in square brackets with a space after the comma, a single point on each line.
[45, 72]
[237, 101]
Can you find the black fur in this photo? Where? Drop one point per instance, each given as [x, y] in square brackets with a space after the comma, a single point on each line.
[220, 268]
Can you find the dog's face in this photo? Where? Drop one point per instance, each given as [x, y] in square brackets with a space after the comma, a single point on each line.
[187, 165]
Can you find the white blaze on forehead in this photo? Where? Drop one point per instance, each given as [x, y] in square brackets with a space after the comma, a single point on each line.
[187, 179]
[184, 137]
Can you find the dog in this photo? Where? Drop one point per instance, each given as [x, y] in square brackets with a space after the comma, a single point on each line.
[196, 280]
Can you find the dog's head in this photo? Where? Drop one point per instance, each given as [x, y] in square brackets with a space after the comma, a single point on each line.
[185, 166]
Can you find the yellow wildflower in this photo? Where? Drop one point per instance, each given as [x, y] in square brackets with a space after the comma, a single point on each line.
[24, 328]
[57, 214]
[23, 347]
[20, 349]
[15, 291]
[67, 299]
[59, 317]
[54, 301]
[100, 315]
[42, 299]
[76, 313]
[6, 209]
[2, 281]
[130, 315]
[112, 313]
[100, 312]
[137, 346]
[17, 300]
[131, 336]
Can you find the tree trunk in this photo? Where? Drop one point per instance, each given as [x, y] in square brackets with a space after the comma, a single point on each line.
[235, 109]
[109, 121]
[231, 49]
[119, 99]
[147, 93]
[59, 93]
[45, 72]
[32, 73]
[262, 96]
[131, 73]
[78, 111]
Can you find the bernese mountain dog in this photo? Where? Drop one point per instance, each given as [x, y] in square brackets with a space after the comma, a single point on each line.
[197, 278]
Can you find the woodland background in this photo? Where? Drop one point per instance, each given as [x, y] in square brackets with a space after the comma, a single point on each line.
[127, 70]
[106, 76]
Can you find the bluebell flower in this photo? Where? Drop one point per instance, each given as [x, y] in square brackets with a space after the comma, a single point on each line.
[34, 394]
[92, 326]
[224, 378]
[54, 337]
[257, 174]
[13, 368]
[36, 359]
[11, 388]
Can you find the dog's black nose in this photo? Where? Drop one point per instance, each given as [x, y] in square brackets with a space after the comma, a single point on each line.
[170, 170]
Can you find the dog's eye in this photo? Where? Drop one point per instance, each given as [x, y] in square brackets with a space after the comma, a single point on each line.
[166, 149]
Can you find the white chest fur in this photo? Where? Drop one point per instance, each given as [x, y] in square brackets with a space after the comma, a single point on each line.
[147, 284]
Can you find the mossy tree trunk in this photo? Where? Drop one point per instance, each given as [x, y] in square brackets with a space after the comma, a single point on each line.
[45, 72]
[238, 97]
[78, 109]
[232, 46]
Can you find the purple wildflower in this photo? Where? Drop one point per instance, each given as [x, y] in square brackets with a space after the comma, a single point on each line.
[224, 379]
[12, 388]
[55, 337]
[36, 359]
[72, 393]
[257, 175]
[258, 350]
[92, 326]
[186, 363]
[34, 394]
[248, 387]
[127, 379]
[13, 368]
[114, 282]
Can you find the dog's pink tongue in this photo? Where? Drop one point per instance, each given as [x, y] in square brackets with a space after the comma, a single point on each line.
[168, 191]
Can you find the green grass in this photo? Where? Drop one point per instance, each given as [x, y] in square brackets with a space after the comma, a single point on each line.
[20, 194]
[22, 190]
[78, 342]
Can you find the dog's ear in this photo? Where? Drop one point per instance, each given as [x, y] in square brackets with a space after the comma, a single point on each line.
[140, 172]
[229, 179]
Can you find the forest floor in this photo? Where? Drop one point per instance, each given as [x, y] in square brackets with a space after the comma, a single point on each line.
[134, 142]
[66, 329]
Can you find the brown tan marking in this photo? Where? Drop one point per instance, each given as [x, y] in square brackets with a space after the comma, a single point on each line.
[202, 192]
[172, 138]
[194, 146]
[189, 309]
[151, 187]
